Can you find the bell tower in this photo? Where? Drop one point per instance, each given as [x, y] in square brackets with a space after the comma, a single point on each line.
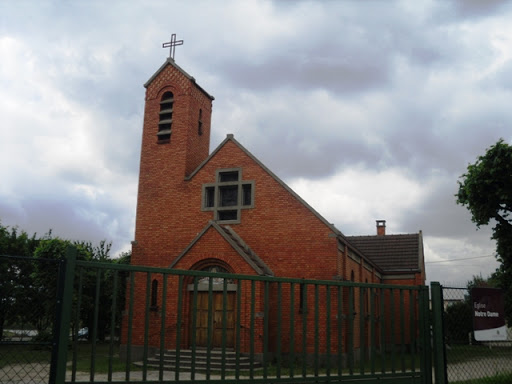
[175, 140]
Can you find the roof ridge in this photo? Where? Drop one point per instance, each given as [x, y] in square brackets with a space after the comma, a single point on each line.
[247, 250]
[384, 236]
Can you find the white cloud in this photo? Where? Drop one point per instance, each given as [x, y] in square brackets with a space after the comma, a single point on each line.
[58, 148]
[354, 198]
[454, 261]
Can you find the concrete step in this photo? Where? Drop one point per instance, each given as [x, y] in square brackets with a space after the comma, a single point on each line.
[201, 360]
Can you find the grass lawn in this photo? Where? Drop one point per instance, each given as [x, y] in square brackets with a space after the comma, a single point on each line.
[102, 360]
[461, 353]
[27, 354]
[23, 354]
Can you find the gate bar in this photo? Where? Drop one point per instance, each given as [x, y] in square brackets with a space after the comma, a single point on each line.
[438, 334]
[63, 310]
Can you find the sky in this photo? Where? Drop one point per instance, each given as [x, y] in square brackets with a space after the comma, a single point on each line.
[369, 110]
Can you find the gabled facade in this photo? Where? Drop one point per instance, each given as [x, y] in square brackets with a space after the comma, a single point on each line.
[226, 211]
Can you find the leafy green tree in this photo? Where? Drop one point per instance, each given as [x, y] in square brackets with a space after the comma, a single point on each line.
[120, 293]
[480, 282]
[103, 279]
[42, 293]
[45, 277]
[486, 191]
[15, 275]
[28, 286]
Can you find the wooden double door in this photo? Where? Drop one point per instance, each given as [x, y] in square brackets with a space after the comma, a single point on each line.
[216, 321]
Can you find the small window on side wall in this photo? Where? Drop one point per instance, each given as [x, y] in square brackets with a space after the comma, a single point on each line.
[227, 215]
[225, 177]
[209, 197]
[200, 123]
[246, 194]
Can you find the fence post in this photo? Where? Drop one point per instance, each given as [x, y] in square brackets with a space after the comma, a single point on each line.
[436, 292]
[62, 316]
[425, 343]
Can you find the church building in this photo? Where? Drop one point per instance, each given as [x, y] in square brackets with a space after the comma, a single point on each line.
[225, 211]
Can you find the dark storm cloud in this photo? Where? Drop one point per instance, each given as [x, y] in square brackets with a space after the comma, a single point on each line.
[368, 60]
[334, 74]
[415, 144]
[438, 213]
[41, 215]
[327, 156]
[68, 217]
[346, 53]
[475, 9]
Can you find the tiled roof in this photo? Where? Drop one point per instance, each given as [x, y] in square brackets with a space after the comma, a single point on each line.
[392, 253]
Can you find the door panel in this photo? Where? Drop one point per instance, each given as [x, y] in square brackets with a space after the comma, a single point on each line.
[217, 316]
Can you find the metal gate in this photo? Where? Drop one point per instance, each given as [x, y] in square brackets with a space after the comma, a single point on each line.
[141, 324]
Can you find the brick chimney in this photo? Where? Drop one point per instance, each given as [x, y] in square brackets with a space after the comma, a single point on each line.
[381, 227]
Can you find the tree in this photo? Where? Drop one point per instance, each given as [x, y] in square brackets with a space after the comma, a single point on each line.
[15, 275]
[28, 284]
[486, 191]
[480, 282]
[44, 284]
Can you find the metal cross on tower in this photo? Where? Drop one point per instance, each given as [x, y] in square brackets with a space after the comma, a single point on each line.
[172, 45]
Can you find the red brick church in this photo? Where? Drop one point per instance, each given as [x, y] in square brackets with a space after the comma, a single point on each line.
[226, 211]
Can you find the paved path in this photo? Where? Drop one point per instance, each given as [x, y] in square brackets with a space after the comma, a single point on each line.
[38, 373]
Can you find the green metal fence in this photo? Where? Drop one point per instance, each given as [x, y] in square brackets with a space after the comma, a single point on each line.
[204, 327]
[142, 324]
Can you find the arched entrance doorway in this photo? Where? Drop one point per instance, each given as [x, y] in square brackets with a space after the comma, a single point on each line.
[212, 311]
